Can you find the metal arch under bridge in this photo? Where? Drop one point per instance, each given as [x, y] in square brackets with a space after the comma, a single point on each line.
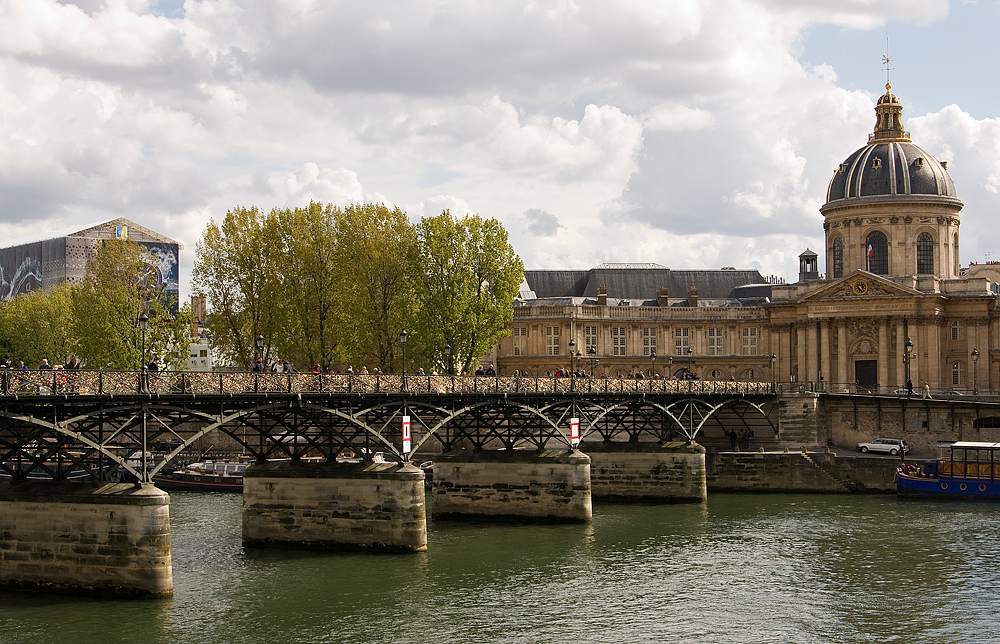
[97, 425]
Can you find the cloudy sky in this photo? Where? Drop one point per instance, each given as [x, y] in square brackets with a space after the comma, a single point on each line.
[692, 133]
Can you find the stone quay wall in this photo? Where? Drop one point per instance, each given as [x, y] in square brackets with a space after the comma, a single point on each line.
[800, 472]
[335, 506]
[671, 472]
[106, 539]
[921, 422]
[549, 485]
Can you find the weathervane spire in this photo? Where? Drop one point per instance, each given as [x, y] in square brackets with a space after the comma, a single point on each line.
[887, 62]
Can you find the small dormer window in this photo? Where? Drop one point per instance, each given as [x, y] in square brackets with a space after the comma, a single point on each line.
[919, 162]
[876, 163]
[842, 168]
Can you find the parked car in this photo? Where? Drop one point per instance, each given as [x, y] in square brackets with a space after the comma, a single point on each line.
[951, 392]
[885, 446]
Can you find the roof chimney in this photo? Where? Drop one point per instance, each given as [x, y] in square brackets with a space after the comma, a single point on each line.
[661, 296]
[602, 295]
[692, 296]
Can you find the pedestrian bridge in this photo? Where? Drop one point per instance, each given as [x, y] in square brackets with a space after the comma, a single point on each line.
[57, 424]
[332, 458]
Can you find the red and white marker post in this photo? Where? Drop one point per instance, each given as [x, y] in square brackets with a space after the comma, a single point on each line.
[574, 431]
[406, 434]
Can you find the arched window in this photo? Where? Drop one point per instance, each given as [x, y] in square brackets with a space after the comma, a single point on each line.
[925, 254]
[838, 257]
[877, 253]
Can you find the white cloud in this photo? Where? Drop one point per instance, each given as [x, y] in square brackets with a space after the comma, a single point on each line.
[687, 132]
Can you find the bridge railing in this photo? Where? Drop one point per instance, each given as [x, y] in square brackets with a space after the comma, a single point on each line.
[104, 383]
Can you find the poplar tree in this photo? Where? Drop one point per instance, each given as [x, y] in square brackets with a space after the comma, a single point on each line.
[120, 285]
[237, 267]
[469, 276]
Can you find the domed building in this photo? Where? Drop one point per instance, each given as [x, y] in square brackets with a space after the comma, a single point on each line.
[893, 301]
[892, 304]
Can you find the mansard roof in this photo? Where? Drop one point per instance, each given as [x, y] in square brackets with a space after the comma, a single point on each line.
[640, 281]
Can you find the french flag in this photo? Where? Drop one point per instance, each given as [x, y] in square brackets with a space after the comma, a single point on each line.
[871, 250]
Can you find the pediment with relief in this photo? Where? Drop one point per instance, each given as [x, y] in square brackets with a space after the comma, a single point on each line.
[859, 285]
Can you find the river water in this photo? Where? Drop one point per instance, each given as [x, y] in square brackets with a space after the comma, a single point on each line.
[739, 568]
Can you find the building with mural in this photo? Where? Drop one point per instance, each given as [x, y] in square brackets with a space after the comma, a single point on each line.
[62, 256]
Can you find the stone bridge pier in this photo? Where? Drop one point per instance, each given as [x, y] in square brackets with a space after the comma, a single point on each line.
[542, 485]
[377, 506]
[105, 539]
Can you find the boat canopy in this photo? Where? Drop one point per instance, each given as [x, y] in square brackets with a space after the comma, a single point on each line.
[973, 445]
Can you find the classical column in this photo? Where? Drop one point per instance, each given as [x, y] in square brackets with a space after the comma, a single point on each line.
[825, 367]
[883, 352]
[785, 353]
[842, 351]
[934, 364]
[800, 329]
[900, 369]
[811, 350]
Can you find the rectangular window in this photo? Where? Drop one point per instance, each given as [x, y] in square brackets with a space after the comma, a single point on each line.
[203, 353]
[590, 339]
[715, 342]
[648, 341]
[749, 341]
[520, 333]
[618, 340]
[551, 340]
[682, 341]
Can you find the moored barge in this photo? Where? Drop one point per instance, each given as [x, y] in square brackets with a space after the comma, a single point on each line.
[963, 470]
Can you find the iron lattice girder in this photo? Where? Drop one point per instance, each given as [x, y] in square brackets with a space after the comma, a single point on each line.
[53, 435]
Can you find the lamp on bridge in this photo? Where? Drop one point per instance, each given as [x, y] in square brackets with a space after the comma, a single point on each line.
[592, 352]
[670, 366]
[402, 343]
[975, 371]
[572, 355]
[447, 357]
[143, 325]
[774, 374]
[652, 361]
[259, 342]
[907, 357]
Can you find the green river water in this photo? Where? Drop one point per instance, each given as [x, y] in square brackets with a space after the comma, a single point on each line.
[740, 568]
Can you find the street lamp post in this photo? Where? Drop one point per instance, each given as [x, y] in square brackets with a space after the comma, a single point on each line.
[975, 371]
[774, 375]
[591, 352]
[447, 357]
[652, 361]
[572, 355]
[402, 343]
[259, 342]
[143, 325]
[907, 358]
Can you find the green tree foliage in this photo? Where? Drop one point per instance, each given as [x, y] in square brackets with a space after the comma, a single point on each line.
[378, 246]
[119, 286]
[469, 276]
[238, 269]
[311, 281]
[39, 325]
[331, 286]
